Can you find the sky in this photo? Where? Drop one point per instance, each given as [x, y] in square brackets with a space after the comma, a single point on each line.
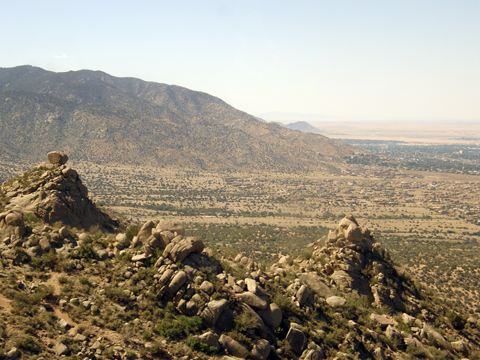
[352, 60]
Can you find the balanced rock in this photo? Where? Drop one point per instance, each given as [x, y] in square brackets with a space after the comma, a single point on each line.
[57, 158]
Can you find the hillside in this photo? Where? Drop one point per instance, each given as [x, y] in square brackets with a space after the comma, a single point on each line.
[155, 293]
[101, 118]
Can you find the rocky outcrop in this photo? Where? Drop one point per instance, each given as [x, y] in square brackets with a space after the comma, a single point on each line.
[54, 192]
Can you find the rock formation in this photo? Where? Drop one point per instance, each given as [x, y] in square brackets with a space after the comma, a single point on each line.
[53, 192]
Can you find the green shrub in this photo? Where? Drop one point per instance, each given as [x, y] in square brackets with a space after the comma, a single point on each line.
[457, 320]
[46, 261]
[190, 324]
[130, 355]
[169, 329]
[86, 251]
[26, 343]
[196, 344]
[31, 218]
[132, 231]
[116, 294]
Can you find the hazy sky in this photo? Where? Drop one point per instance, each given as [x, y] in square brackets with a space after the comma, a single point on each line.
[357, 60]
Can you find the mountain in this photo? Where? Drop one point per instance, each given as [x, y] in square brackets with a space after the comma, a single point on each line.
[156, 293]
[102, 118]
[303, 126]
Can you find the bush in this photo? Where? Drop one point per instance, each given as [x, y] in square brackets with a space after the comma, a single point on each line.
[457, 320]
[169, 329]
[196, 344]
[46, 261]
[190, 324]
[26, 343]
[86, 251]
[31, 218]
[132, 231]
[116, 294]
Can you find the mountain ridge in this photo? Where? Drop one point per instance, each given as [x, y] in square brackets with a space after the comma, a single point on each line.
[101, 118]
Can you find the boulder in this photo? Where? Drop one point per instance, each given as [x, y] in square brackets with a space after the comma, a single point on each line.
[302, 294]
[212, 311]
[44, 244]
[123, 239]
[353, 233]
[336, 301]
[461, 347]
[14, 219]
[378, 354]
[260, 350]
[208, 287]
[177, 281]
[145, 231]
[252, 300]
[297, 340]
[439, 339]
[316, 284]
[57, 158]
[210, 339]
[272, 315]
[381, 321]
[178, 251]
[352, 283]
[61, 349]
[233, 347]
[254, 287]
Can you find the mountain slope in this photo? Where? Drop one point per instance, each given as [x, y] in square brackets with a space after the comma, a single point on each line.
[102, 118]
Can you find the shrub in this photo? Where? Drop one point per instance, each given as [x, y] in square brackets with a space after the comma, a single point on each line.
[116, 294]
[26, 343]
[169, 329]
[132, 231]
[130, 355]
[457, 320]
[190, 324]
[86, 251]
[31, 218]
[196, 344]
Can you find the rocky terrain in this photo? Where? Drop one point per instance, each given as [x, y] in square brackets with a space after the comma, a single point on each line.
[77, 284]
[104, 119]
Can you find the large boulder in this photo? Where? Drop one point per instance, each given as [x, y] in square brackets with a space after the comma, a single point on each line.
[297, 340]
[352, 283]
[302, 294]
[260, 350]
[233, 347]
[316, 284]
[57, 158]
[177, 281]
[272, 315]
[253, 300]
[178, 251]
[212, 311]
